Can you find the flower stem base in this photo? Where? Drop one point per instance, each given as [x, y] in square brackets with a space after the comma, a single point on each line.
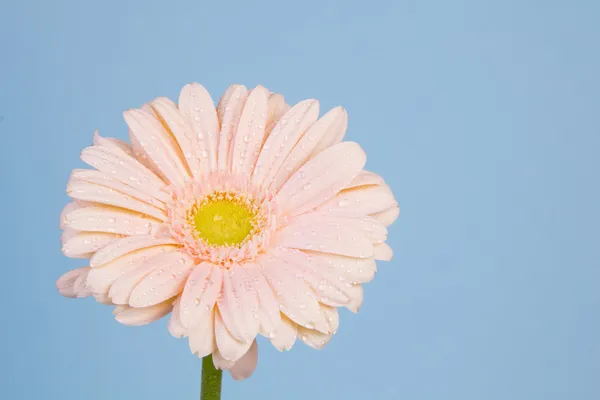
[211, 380]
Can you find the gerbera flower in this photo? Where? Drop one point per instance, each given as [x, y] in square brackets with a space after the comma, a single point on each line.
[249, 218]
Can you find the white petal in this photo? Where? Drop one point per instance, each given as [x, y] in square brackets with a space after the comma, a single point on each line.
[321, 178]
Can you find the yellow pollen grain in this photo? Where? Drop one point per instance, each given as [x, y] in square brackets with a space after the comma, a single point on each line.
[224, 221]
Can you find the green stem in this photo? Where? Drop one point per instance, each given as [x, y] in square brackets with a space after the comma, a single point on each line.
[211, 380]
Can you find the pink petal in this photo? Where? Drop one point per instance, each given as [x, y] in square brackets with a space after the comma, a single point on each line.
[387, 217]
[125, 245]
[282, 140]
[80, 288]
[334, 287]
[315, 339]
[360, 201]
[285, 336]
[357, 300]
[229, 112]
[269, 315]
[163, 282]
[138, 269]
[75, 205]
[355, 270]
[230, 348]
[220, 362]
[238, 304]
[81, 190]
[383, 252]
[157, 145]
[100, 279]
[328, 288]
[145, 315]
[366, 178]
[369, 227]
[298, 301]
[250, 132]
[335, 133]
[82, 244]
[175, 326]
[332, 317]
[102, 298]
[276, 109]
[109, 219]
[200, 293]
[307, 144]
[324, 237]
[198, 108]
[321, 178]
[102, 179]
[65, 284]
[178, 126]
[124, 168]
[202, 337]
[113, 143]
[246, 365]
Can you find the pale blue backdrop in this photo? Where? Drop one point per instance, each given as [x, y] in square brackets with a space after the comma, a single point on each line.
[482, 115]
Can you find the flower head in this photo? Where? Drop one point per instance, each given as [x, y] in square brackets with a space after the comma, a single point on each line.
[250, 218]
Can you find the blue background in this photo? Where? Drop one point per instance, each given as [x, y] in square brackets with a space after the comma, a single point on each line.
[482, 115]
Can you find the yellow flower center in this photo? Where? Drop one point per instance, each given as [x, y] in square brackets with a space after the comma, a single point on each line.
[224, 220]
